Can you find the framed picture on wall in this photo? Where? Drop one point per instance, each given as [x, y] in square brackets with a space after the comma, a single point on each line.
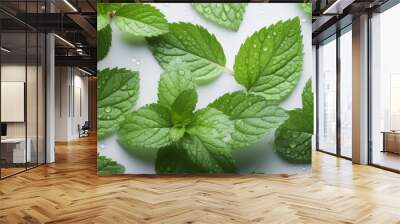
[204, 88]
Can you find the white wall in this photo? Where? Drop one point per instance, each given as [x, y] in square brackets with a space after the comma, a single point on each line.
[70, 83]
[61, 103]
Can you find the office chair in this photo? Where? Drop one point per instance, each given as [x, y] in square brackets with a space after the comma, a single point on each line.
[84, 130]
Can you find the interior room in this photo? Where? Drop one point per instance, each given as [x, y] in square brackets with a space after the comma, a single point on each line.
[22, 97]
[55, 167]
[385, 90]
[29, 101]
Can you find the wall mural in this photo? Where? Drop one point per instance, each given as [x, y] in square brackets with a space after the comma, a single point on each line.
[204, 88]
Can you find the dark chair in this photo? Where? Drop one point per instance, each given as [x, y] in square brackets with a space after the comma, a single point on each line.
[84, 130]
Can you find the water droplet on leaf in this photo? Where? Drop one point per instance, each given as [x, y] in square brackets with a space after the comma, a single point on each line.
[108, 109]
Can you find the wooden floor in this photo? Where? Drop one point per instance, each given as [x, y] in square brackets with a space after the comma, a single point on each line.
[69, 191]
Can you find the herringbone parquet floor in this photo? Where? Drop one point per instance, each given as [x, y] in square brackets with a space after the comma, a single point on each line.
[69, 191]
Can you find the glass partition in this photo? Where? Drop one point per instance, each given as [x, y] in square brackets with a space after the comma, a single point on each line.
[385, 90]
[346, 93]
[327, 96]
[13, 94]
[22, 78]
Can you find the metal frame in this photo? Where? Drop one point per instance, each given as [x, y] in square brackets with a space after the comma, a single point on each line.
[369, 90]
[338, 99]
[338, 152]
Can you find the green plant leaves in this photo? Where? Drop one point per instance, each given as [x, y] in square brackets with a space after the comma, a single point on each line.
[148, 127]
[270, 61]
[138, 19]
[199, 50]
[210, 157]
[118, 90]
[174, 160]
[293, 137]
[141, 20]
[268, 65]
[104, 37]
[207, 141]
[103, 18]
[106, 165]
[173, 81]
[307, 7]
[228, 15]
[183, 107]
[253, 117]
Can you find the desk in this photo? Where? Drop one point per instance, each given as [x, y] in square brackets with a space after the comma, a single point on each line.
[391, 141]
[18, 150]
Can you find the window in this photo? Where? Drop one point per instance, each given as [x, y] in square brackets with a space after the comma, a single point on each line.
[346, 93]
[327, 97]
[385, 89]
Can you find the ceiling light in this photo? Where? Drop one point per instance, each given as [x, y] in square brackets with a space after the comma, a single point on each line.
[64, 40]
[70, 5]
[331, 7]
[84, 71]
[5, 50]
[337, 7]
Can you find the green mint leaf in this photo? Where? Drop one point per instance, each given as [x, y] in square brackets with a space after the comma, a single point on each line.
[183, 107]
[148, 127]
[307, 7]
[141, 20]
[112, 7]
[270, 61]
[293, 146]
[193, 45]
[108, 166]
[174, 160]
[210, 155]
[117, 92]
[103, 17]
[293, 137]
[206, 141]
[177, 133]
[173, 81]
[228, 15]
[104, 38]
[252, 116]
[308, 105]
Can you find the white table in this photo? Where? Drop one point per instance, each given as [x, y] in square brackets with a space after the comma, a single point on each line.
[19, 155]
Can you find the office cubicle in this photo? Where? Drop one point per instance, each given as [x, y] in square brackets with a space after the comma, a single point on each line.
[22, 95]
